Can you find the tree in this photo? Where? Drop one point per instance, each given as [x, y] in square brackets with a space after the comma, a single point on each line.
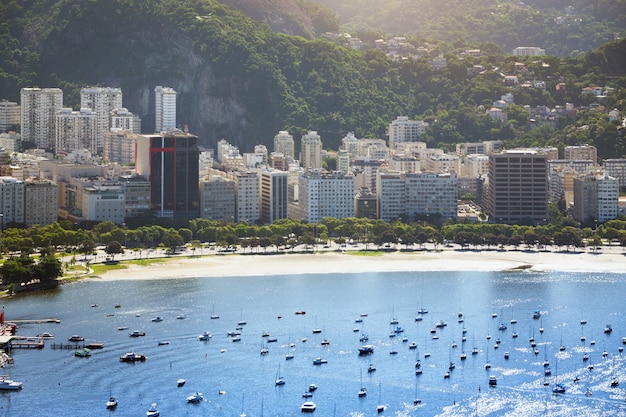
[113, 248]
[172, 239]
[48, 269]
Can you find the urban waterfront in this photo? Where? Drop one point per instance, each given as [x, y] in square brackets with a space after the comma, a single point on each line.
[235, 377]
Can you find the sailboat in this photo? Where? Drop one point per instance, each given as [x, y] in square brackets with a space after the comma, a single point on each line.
[416, 400]
[279, 379]
[213, 315]
[242, 322]
[559, 387]
[242, 412]
[380, 407]
[112, 403]
[362, 390]
[487, 363]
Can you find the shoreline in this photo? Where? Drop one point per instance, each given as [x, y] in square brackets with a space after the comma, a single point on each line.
[609, 259]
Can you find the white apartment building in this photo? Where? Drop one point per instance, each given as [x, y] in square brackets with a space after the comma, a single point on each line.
[616, 168]
[122, 119]
[102, 201]
[165, 108]
[10, 142]
[365, 171]
[247, 193]
[431, 194]
[471, 148]
[9, 116]
[343, 160]
[40, 202]
[102, 101]
[311, 150]
[284, 144]
[404, 130]
[274, 195]
[582, 152]
[351, 144]
[529, 51]
[12, 193]
[474, 166]
[404, 163]
[325, 195]
[442, 163]
[39, 107]
[119, 146]
[390, 195]
[76, 130]
[217, 198]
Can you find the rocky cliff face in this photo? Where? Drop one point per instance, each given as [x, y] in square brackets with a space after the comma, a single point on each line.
[285, 16]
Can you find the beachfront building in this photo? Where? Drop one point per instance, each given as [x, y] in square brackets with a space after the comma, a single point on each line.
[136, 195]
[12, 193]
[390, 195]
[404, 130]
[9, 116]
[217, 198]
[247, 194]
[431, 195]
[170, 162]
[596, 197]
[40, 202]
[325, 194]
[165, 108]
[311, 150]
[518, 187]
[285, 145]
[274, 195]
[39, 107]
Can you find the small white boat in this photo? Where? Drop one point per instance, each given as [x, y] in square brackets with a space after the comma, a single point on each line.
[493, 381]
[181, 317]
[163, 342]
[153, 411]
[205, 336]
[111, 403]
[46, 335]
[308, 407]
[196, 397]
[180, 382]
[7, 384]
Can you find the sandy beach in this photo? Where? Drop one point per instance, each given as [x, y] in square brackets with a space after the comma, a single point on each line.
[609, 259]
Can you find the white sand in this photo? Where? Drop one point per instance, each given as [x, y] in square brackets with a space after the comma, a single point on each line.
[611, 259]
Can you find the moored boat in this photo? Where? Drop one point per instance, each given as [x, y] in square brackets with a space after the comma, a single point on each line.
[196, 397]
[111, 403]
[308, 407]
[153, 411]
[7, 384]
[83, 353]
[133, 357]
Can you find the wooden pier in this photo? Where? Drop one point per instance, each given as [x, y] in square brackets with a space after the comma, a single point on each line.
[76, 346]
[27, 343]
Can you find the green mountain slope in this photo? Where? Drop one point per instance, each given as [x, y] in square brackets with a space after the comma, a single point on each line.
[240, 81]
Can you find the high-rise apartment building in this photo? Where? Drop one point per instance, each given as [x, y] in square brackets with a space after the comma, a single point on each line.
[9, 116]
[122, 119]
[102, 101]
[596, 198]
[325, 195]
[217, 198]
[75, 130]
[40, 202]
[39, 107]
[518, 187]
[11, 201]
[284, 143]
[616, 168]
[170, 162]
[165, 108]
[274, 195]
[311, 151]
[119, 147]
[247, 193]
[404, 130]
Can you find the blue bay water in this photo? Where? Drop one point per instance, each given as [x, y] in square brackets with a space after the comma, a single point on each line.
[235, 377]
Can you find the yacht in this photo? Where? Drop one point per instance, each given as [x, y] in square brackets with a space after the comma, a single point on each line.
[308, 407]
[7, 384]
[153, 411]
[132, 357]
[196, 397]
[205, 336]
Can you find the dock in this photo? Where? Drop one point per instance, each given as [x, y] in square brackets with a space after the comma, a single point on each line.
[27, 343]
[35, 321]
[76, 346]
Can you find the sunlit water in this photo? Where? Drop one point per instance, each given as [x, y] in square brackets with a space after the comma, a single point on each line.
[235, 377]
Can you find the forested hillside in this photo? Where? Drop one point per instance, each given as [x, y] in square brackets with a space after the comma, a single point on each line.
[507, 23]
[240, 81]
